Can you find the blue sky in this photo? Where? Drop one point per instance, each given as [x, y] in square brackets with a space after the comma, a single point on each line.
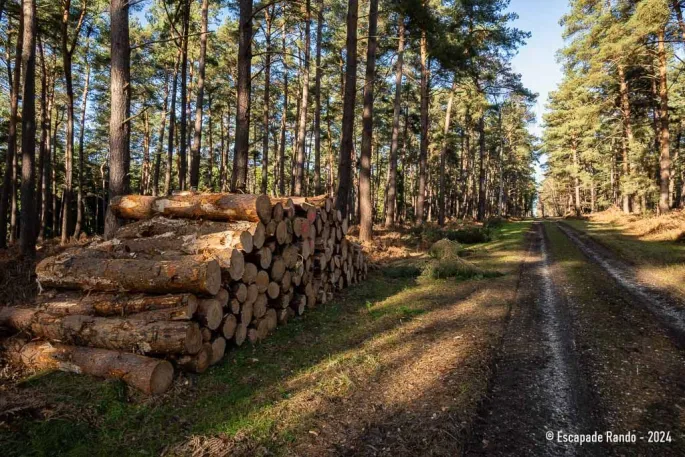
[536, 62]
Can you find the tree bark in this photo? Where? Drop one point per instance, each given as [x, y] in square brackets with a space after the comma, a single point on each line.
[304, 102]
[183, 147]
[119, 125]
[480, 215]
[267, 100]
[284, 117]
[365, 202]
[349, 98]
[125, 334]
[150, 375]
[242, 134]
[8, 181]
[197, 138]
[168, 186]
[443, 154]
[162, 127]
[627, 133]
[220, 207]
[29, 223]
[391, 194]
[318, 188]
[423, 149]
[97, 272]
[665, 143]
[81, 155]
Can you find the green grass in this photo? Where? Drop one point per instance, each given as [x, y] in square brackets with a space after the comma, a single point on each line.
[661, 262]
[249, 390]
[630, 247]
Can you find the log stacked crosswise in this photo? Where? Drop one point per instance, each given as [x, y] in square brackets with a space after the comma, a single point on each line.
[189, 277]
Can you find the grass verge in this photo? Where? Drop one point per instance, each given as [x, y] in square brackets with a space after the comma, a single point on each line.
[661, 262]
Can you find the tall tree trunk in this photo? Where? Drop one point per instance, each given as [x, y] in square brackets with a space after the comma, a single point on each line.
[81, 157]
[197, 138]
[318, 188]
[331, 161]
[162, 127]
[481, 170]
[665, 143]
[210, 158]
[28, 133]
[391, 195]
[242, 119]
[68, 47]
[144, 185]
[679, 16]
[44, 151]
[284, 116]
[10, 169]
[304, 81]
[349, 98]
[183, 151]
[365, 203]
[168, 185]
[119, 125]
[576, 180]
[423, 149]
[443, 154]
[268, 15]
[627, 133]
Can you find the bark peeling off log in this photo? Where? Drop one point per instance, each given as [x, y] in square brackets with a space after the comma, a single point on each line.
[220, 207]
[150, 375]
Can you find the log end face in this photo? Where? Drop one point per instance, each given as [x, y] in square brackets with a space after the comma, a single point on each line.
[264, 208]
[193, 340]
[162, 376]
[213, 279]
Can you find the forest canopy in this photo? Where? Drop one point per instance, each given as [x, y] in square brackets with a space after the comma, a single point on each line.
[406, 111]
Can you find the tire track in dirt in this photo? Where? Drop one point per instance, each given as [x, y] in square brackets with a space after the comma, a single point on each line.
[537, 387]
[659, 302]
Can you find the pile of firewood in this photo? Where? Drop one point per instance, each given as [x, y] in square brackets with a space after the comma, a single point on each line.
[193, 275]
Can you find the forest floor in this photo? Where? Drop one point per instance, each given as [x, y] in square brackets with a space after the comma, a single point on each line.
[571, 336]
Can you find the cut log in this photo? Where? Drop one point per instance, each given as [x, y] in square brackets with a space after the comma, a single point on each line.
[282, 315]
[240, 334]
[182, 313]
[262, 258]
[273, 290]
[250, 273]
[210, 313]
[246, 313]
[232, 263]
[219, 207]
[252, 293]
[99, 304]
[229, 325]
[223, 297]
[196, 363]
[218, 350]
[277, 268]
[252, 335]
[259, 308]
[150, 375]
[239, 291]
[108, 332]
[187, 274]
[277, 212]
[262, 281]
[234, 305]
[299, 304]
[271, 319]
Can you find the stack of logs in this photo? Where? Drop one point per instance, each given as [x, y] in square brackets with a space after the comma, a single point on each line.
[194, 274]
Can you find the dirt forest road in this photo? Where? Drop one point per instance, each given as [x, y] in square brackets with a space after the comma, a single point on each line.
[587, 349]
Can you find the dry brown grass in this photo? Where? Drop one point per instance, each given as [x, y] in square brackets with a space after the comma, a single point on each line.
[668, 227]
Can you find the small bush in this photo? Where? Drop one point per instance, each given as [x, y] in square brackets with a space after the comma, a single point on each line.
[444, 248]
[469, 235]
[398, 272]
[452, 268]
